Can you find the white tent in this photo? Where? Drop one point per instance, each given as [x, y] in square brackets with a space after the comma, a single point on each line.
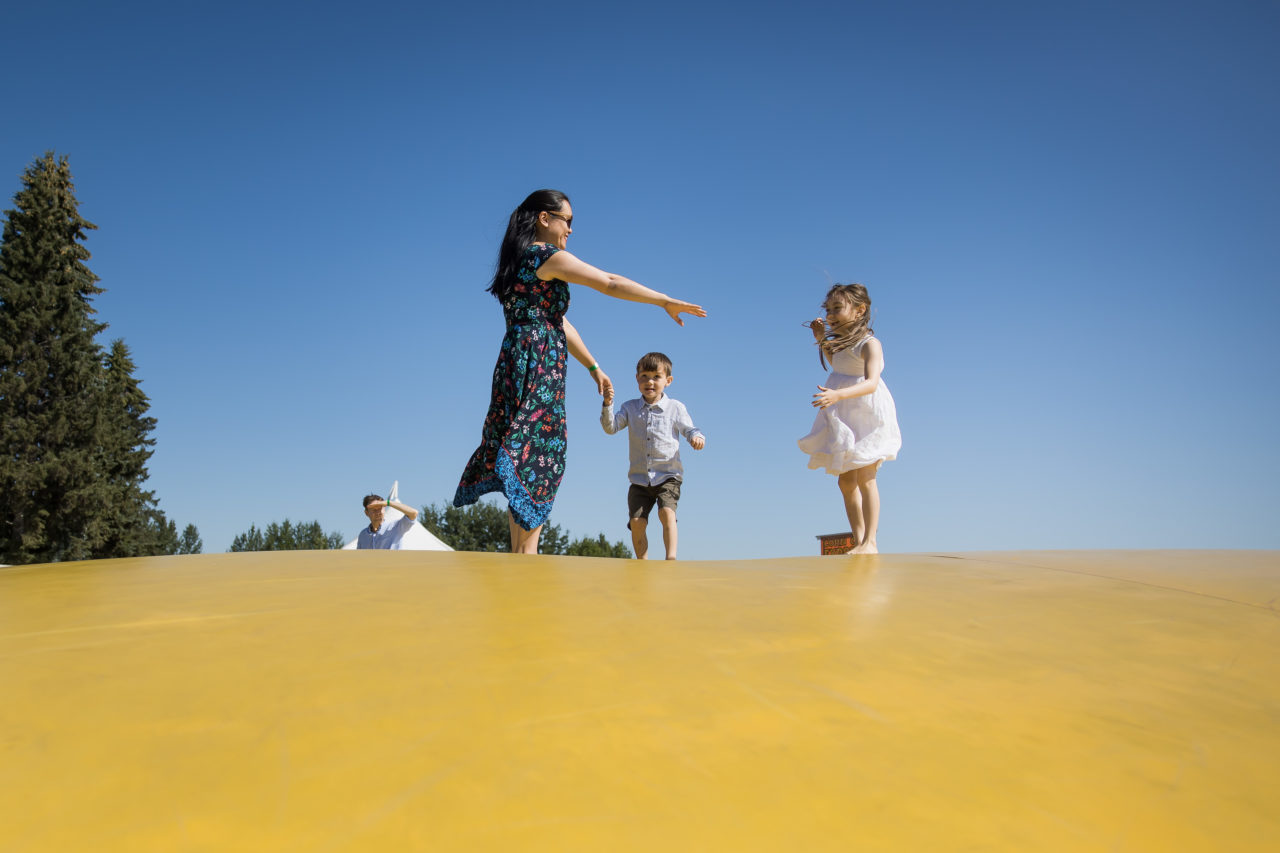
[418, 538]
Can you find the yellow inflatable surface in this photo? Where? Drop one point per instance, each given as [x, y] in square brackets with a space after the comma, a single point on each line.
[457, 701]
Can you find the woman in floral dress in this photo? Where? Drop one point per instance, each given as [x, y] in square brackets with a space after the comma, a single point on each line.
[522, 447]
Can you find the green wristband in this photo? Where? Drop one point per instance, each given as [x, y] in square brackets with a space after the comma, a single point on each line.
[593, 368]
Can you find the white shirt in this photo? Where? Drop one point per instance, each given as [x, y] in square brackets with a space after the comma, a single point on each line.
[654, 437]
[387, 536]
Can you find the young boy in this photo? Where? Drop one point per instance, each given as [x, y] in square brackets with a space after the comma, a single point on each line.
[656, 423]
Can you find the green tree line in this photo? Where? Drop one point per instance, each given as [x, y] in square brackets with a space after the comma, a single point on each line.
[479, 527]
[287, 536]
[483, 527]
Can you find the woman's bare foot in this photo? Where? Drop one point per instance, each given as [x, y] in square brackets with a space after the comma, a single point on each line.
[866, 548]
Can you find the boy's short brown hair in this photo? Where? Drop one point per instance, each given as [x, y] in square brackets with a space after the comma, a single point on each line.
[652, 362]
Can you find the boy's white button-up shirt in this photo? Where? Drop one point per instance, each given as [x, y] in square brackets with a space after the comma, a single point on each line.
[654, 437]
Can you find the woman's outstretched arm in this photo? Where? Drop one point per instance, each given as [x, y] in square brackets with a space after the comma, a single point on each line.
[567, 267]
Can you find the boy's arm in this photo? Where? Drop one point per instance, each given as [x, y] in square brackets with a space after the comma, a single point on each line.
[611, 422]
[691, 433]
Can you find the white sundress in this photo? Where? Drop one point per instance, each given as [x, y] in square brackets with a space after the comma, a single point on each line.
[856, 432]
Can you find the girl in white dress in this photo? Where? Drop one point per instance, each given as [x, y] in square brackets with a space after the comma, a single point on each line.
[857, 427]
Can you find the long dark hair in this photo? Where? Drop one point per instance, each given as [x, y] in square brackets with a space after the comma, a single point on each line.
[843, 337]
[521, 232]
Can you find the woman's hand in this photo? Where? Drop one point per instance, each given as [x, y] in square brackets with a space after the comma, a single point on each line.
[826, 397]
[603, 384]
[676, 307]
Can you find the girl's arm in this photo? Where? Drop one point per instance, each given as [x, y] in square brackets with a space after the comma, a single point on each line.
[578, 349]
[873, 358]
[566, 267]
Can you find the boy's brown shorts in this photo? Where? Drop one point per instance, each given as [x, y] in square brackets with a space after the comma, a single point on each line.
[640, 499]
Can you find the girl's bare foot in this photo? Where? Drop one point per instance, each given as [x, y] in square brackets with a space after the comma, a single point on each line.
[866, 548]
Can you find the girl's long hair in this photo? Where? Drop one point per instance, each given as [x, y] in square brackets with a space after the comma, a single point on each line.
[845, 336]
[521, 233]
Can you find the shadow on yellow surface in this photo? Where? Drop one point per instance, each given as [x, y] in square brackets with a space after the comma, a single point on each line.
[459, 701]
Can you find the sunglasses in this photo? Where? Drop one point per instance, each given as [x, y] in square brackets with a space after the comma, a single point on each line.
[567, 220]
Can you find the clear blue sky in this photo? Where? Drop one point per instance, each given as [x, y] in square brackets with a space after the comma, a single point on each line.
[1067, 215]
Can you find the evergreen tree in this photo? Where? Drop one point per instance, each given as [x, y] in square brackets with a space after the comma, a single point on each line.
[287, 536]
[162, 536]
[75, 436]
[133, 523]
[50, 373]
[189, 542]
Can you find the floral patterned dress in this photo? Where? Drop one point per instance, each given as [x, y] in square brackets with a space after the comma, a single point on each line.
[522, 445]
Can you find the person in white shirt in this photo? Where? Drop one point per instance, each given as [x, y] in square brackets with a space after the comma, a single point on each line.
[656, 422]
[380, 534]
